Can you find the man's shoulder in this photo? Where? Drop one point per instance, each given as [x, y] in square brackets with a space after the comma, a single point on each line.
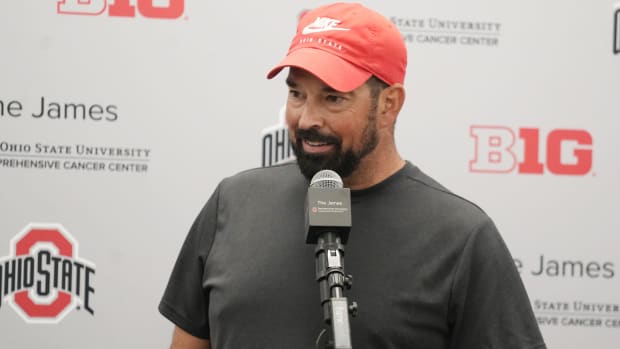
[435, 198]
[288, 171]
[284, 176]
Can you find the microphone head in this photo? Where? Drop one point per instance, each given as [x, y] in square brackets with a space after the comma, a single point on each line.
[326, 179]
[328, 207]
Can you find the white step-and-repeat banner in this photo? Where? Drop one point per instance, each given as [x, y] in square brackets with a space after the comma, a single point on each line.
[119, 117]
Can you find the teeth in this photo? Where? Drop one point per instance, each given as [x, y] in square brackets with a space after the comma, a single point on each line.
[315, 144]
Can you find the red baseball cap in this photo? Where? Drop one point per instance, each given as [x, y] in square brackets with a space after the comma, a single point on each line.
[344, 44]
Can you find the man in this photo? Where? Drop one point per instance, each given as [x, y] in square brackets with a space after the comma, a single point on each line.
[431, 270]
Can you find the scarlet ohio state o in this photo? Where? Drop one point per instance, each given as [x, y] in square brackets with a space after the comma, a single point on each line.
[43, 278]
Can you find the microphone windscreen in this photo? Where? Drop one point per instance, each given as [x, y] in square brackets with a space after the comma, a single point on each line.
[326, 179]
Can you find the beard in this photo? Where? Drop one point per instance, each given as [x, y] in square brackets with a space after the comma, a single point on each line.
[344, 162]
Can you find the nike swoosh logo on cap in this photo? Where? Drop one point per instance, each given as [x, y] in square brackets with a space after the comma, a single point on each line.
[322, 24]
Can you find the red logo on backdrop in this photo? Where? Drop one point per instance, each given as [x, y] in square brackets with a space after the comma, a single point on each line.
[163, 9]
[500, 149]
[43, 278]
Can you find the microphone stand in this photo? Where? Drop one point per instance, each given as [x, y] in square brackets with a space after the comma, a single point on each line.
[328, 223]
[332, 280]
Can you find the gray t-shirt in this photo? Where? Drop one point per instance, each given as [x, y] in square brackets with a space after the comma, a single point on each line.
[430, 269]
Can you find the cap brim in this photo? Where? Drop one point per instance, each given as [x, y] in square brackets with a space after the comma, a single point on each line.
[336, 72]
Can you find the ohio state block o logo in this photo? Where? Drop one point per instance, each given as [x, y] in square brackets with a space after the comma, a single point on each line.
[23, 247]
[43, 278]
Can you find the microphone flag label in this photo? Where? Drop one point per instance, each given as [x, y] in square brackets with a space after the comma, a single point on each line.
[329, 210]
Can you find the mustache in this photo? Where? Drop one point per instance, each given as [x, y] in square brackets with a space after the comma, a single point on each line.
[312, 135]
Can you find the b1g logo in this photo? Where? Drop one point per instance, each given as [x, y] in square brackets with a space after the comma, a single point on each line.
[43, 278]
[165, 9]
[499, 149]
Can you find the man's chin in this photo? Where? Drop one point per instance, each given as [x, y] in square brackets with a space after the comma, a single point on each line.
[310, 165]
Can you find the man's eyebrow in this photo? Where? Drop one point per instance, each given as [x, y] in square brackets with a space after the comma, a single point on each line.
[327, 89]
[330, 90]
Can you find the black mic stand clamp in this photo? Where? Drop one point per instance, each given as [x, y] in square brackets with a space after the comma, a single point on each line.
[332, 280]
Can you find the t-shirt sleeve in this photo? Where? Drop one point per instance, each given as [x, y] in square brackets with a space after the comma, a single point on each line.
[185, 301]
[490, 307]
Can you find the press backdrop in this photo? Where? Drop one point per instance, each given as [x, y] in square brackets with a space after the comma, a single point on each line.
[118, 118]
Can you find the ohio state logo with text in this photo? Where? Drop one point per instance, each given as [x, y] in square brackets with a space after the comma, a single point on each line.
[43, 278]
[528, 150]
[163, 9]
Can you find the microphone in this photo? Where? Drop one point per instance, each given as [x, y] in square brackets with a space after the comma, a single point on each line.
[328, 207]
[328, 223]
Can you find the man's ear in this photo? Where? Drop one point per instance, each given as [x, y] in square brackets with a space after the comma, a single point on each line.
[391, 101]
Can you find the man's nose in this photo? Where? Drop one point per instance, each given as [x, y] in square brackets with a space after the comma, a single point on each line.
[310, 117]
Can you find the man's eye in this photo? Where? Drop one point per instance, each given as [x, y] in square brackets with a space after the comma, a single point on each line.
[334, 98]
[294, 93]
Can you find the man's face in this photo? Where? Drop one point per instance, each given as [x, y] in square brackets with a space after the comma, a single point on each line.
[329, 129]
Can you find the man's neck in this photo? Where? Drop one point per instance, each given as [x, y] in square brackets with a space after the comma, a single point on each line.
[374, 170]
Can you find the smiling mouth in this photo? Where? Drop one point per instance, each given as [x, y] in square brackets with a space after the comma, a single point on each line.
[310, 141]
[317, 146]
[315, 143]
